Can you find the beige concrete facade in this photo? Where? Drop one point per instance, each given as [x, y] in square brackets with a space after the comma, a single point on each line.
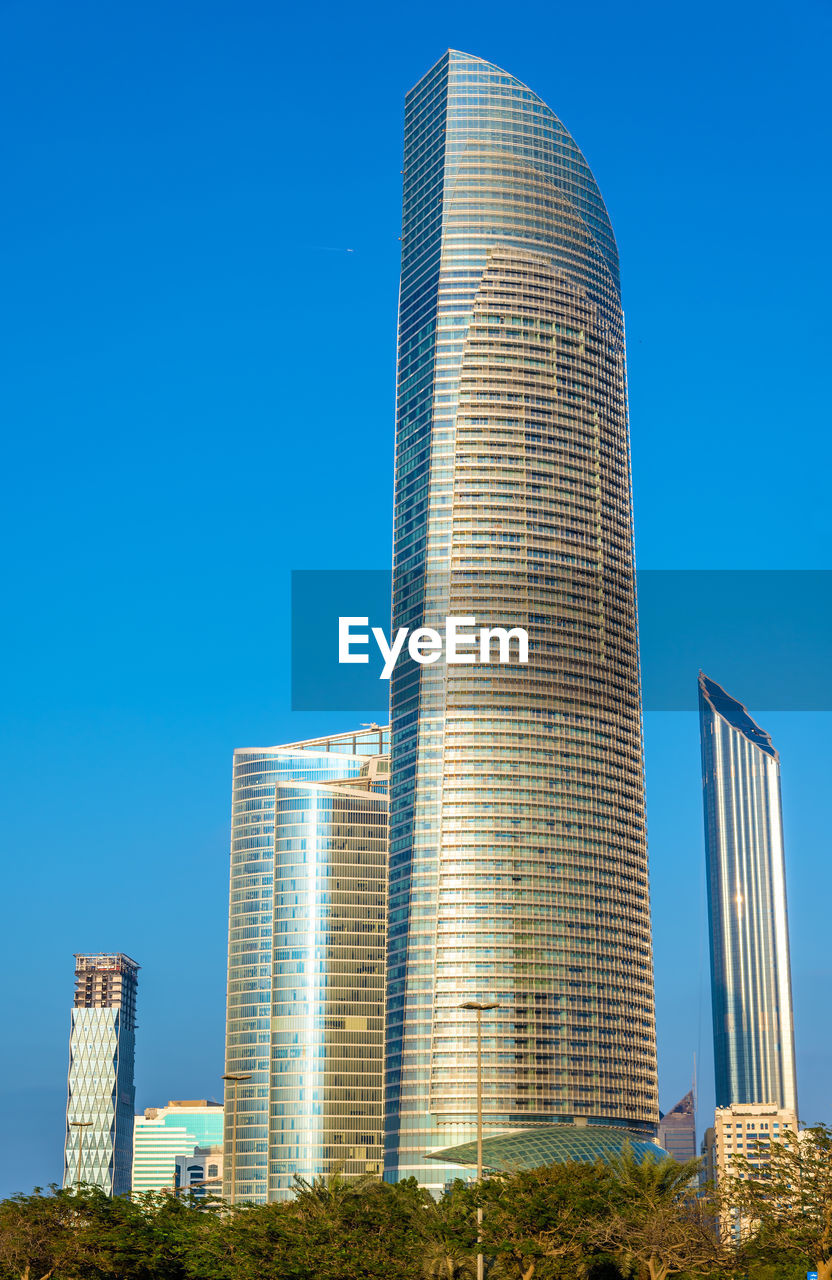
[747, 1129]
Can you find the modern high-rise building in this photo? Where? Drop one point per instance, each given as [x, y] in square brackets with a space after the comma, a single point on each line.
[100, 1092]
[163, 1137]
[518, 857]
[307, 919]
[677, 1129]
[749, 932]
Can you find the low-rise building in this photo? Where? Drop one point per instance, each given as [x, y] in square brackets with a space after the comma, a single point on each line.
[746, 1129]
[200, 1171]
[166, 1141]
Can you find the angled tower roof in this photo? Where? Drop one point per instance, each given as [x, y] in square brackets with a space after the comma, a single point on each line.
[684, 1107]
[735, 714]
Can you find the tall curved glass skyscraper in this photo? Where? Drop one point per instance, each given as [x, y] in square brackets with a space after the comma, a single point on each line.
[749, 928]
[518, 861]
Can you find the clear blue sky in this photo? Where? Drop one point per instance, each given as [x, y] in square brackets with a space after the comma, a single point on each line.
[198, 397]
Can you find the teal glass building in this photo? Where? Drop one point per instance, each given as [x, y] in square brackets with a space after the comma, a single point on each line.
[98, 1147]
[305, 1011]
[162, 1134]
[518, 860]
[751, 992]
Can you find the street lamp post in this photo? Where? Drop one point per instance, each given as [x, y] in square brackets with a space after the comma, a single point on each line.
[479, 1009]
[80, 1125]
[237, 1077]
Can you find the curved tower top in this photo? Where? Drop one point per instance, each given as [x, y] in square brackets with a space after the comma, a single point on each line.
[549, 147]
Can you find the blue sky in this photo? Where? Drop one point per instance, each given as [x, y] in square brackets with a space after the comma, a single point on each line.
[198, 397]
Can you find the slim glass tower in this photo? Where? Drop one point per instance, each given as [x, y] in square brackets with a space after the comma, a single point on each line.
[749, 931]
[306, 962]
[100, 1091]
[518, 860]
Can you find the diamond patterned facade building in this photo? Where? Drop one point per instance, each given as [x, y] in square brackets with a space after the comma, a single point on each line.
[518, 858]
[100, 1093]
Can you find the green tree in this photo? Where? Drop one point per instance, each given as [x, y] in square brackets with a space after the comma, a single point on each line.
[148, 1237]
[542, 1223]
[782, 1198]
[756, 1269]
[249, 1242]
[334, 1229]
[83, 1234]
[37, 1233]
[448, 1234]
[656, 1224]
[364, 1227]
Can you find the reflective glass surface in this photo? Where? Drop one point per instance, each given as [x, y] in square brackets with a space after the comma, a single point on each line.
[306, 961]
[518, 862]
[164, 1134]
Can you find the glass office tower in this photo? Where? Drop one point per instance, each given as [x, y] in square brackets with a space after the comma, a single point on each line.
[306, 962]
[749, 931]
[101, 1094]
[518, 860]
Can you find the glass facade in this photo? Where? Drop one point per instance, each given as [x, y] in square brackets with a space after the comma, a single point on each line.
[518, 861]
[551, 1144]
[306, 962]
[200, 1171]
[751, 990]
[100, 1090]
